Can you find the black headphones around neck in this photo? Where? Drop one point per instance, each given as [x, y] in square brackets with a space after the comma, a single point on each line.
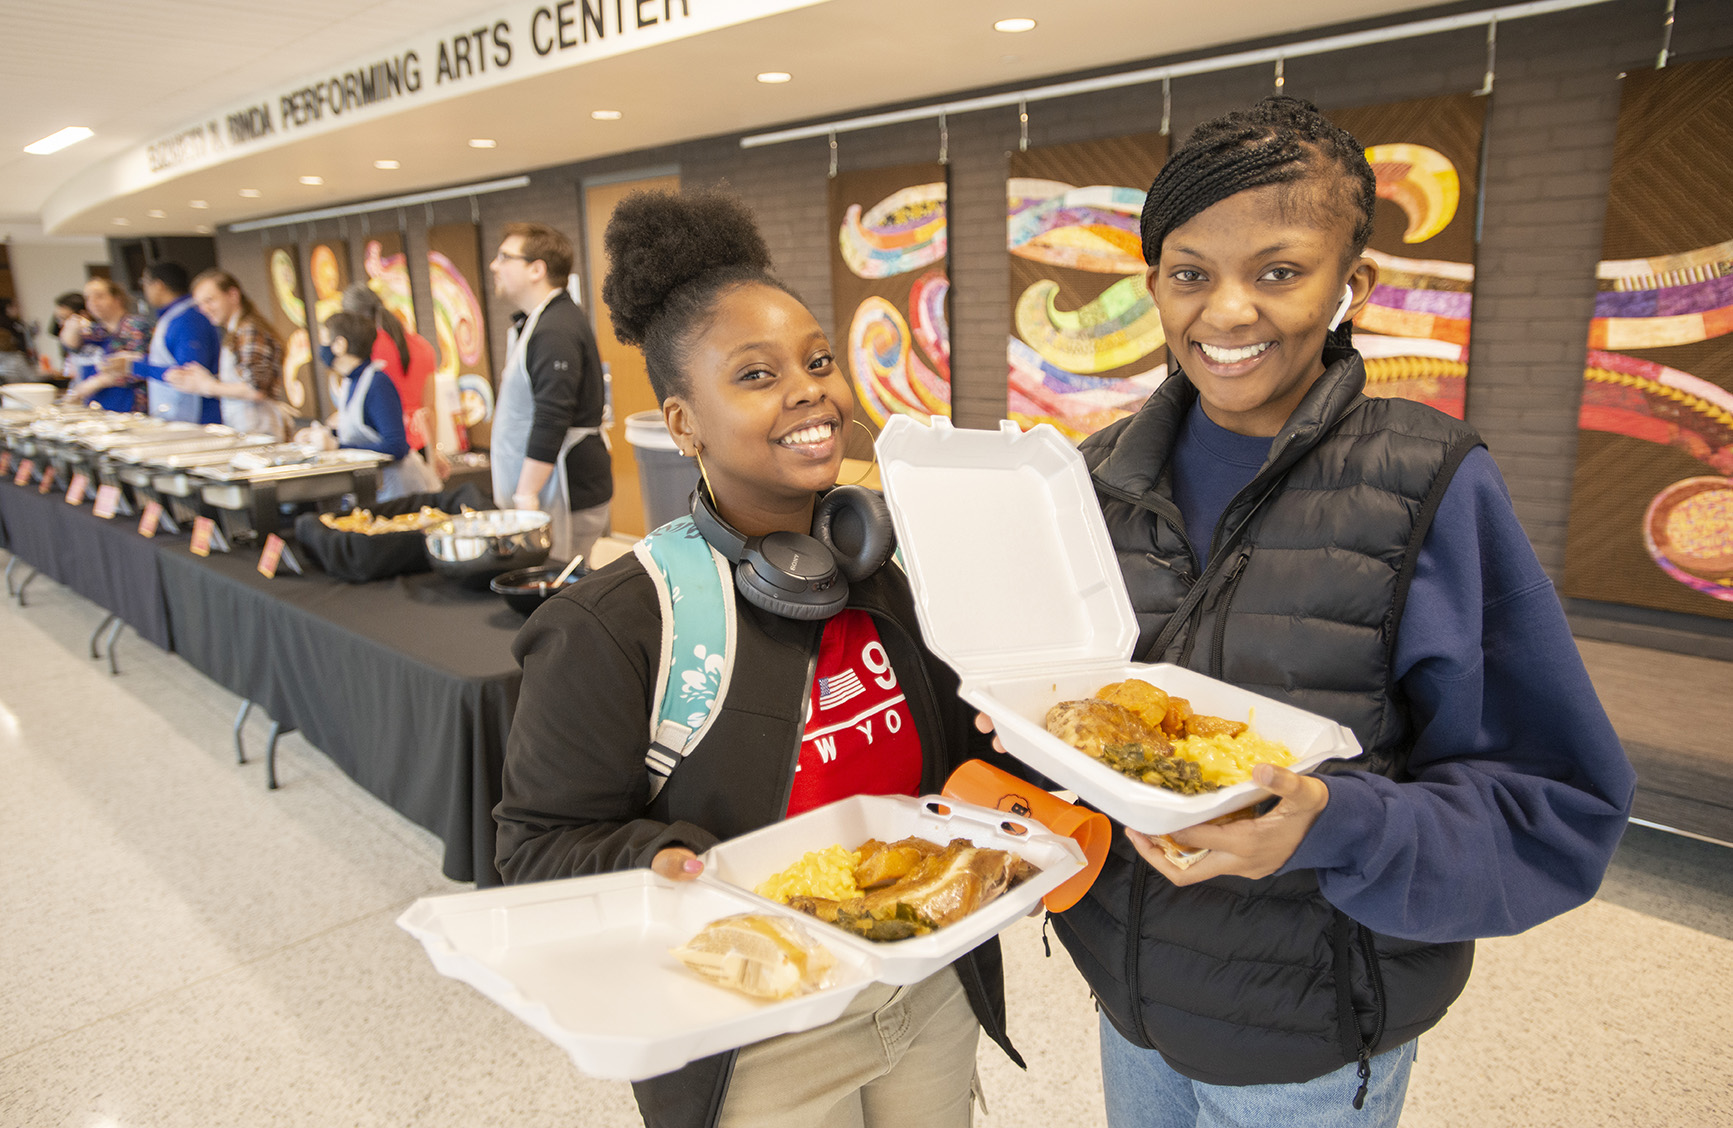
[799, 576]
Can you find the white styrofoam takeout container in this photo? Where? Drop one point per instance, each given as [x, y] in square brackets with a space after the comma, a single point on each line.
[746, 861]
[1017, 587]
[586, 961]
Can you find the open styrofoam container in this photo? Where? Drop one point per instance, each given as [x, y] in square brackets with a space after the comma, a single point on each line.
[746, 861]
[1017, 587]
[586, 960]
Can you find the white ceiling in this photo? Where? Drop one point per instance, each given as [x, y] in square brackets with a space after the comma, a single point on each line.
[135, 72]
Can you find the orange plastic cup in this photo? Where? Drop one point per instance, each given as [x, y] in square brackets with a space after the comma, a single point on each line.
[982, 784]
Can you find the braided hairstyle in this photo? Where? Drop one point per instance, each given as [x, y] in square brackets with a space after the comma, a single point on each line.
[669, 258]
[1281, 140]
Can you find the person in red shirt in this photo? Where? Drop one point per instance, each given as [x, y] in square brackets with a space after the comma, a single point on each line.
[817, 709]
[409, 359]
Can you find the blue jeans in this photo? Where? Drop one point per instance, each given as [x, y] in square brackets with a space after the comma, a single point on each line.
[1144, 1092]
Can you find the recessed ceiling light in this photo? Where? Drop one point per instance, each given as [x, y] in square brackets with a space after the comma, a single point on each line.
[203, 229]
[157, 213]
[605, 115]
[251, 193]
[197, 204]
[1015, 25]
[312, 181]
[774, 77]
[387, 164]
[121, 221]
[482, 143]
[55, 142]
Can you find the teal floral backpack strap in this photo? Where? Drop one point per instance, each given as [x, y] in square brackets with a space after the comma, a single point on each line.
[695, 595]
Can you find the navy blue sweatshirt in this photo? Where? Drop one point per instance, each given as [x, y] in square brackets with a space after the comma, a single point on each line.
[1520, 788]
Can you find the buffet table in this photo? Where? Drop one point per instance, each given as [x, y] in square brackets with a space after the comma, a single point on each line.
[407, 684]
[107, 562]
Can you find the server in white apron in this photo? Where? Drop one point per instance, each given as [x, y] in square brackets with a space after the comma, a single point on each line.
[369, 414]
[182, 336]
[548, 450]
[249, 379]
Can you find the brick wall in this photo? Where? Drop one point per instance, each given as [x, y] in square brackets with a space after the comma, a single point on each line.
[1550, 127]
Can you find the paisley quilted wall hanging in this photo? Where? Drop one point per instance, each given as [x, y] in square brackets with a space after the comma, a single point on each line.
[889, 286]
[1414, 332]
[1651, 519]
[1086, 344]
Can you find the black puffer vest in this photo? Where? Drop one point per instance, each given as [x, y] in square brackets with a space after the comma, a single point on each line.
[1241, 982]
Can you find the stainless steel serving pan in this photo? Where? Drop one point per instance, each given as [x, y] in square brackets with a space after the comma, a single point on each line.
[261, 489]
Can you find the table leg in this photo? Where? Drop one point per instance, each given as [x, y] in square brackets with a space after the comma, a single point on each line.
[24, 583]
[97, 633]
[114, 637]
[277, 730]
[241, 719]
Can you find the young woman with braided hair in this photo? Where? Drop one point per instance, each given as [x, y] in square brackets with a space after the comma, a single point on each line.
[1359, 558]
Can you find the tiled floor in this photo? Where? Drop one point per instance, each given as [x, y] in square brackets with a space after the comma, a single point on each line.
[179, 946]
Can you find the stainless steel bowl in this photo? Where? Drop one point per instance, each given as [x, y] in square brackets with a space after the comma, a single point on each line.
[475, 547]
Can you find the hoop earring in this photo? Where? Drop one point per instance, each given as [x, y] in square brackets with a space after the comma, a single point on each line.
[701, 473]
[872, 444]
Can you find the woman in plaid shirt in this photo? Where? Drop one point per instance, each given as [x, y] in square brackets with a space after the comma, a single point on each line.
[249, 379]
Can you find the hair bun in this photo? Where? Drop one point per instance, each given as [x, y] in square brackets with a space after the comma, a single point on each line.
[658, 241]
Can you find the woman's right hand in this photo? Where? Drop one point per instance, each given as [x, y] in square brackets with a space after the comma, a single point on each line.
[676, 863]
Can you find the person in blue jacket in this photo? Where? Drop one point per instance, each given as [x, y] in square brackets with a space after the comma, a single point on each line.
[369, 414]
[1359, 558]
[182, 336]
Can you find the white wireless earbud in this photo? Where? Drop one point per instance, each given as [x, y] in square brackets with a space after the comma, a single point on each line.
[1342, 310]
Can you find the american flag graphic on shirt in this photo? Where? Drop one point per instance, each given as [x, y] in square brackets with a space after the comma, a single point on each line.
[838, 688]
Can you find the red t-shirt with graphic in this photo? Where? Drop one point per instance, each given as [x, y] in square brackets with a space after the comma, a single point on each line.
[860, 737]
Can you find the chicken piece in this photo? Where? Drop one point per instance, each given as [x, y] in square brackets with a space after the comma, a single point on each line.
[1202, 724]
[1149, 703]
[821, 907]
[1178, 713]
[950, 885]
[1092, 726]
[882, 864]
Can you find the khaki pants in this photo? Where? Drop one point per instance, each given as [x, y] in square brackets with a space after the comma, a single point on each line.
[899, 1057]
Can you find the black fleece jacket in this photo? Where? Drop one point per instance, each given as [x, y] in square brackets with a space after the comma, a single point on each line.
[576, 792]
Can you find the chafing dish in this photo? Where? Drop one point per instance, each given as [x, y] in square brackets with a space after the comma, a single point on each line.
[96, 453]
[141, 469]
[253, 485]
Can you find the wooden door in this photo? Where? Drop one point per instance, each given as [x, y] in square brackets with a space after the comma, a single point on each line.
[631, 383]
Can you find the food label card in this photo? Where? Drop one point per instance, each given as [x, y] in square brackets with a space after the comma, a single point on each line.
[107, 501]
[47, 480]
[76, 488]
[23, 475]
[203, 527]
[147, 523]
[270, 555]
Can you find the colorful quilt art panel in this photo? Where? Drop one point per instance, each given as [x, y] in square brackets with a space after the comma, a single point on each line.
[1651, 520]
[889, 285]
[1414, 331]
[1086, 344]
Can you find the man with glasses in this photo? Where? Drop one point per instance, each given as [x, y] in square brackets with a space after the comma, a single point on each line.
[547, 450]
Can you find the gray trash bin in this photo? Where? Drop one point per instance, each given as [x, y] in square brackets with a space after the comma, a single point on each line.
[666, 478]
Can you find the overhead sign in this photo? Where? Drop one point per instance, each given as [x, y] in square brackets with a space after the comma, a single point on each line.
[518, 41]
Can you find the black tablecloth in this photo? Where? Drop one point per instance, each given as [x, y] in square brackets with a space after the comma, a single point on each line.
[107, 562]
[407, 684]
